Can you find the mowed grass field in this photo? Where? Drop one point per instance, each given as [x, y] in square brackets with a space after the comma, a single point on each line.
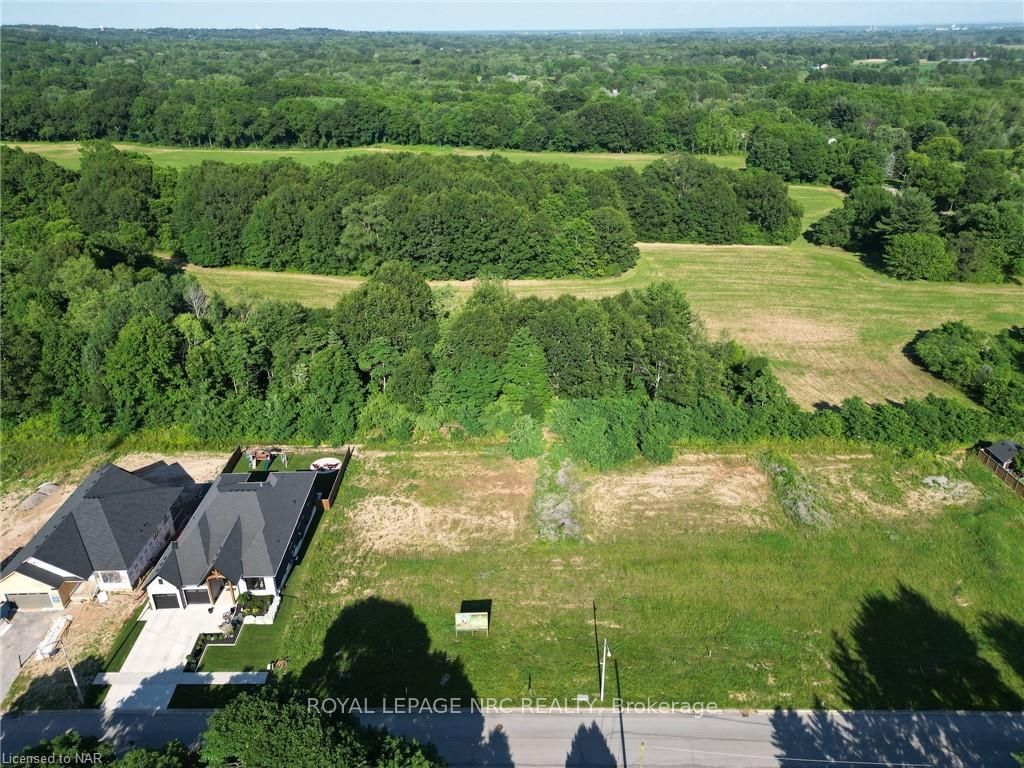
[703, 588]
[66, 154]
[832, 326]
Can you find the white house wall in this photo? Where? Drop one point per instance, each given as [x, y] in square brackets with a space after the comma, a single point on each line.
[269, 588]
[161, 587]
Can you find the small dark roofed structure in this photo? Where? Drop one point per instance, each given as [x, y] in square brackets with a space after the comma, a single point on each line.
[1004, 452]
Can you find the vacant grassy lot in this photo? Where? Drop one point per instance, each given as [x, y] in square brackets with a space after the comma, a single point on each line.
[66, 153]
[716, 596]
[832, 326]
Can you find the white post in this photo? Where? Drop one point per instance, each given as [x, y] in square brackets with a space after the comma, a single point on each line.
[605, 654]
[71, 671]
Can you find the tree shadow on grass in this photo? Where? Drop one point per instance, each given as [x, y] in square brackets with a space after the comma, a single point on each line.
[55, 689]
[1007, 636]
[901, 653]
[378, 652]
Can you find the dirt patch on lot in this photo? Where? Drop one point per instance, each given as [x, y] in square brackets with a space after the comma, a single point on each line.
[447, 500]
[860, 485]
[201, 467]
[696, 491]
[89, 640]
[937, 492]
[18, 525]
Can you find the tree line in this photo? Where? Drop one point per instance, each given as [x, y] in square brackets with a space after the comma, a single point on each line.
[96, 342]
[451, 217]
[664, 92]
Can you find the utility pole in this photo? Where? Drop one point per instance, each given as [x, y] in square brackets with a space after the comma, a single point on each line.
[71, 671]
[605, 655]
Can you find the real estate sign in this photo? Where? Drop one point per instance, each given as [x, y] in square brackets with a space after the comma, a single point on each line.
[476, 621]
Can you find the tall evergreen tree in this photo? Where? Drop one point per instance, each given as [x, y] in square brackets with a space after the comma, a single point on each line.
[525, 375]
[912, 212]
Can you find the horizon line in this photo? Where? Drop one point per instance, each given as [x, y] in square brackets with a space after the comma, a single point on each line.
[933, 26]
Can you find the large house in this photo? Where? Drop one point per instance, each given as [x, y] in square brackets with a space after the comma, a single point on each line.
[107, 533]
[245, 536]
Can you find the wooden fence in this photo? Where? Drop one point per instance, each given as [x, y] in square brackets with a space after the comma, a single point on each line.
[1011, 479]
[235, 456]
[341, 474]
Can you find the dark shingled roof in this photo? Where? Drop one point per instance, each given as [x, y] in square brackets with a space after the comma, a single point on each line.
[240, 528]
[1004, 451]
[49, 578]
[103, 526]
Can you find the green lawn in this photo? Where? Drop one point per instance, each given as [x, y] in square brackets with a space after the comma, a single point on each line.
[833, 327]
[697, 602]
[206, 696]
[125, 641]
[66, 153]
[296, 461]
[257, 646]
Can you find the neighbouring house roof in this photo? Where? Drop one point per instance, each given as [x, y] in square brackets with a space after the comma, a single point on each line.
[103, 526]
[242, 527]
[1004, 451]
[42, 575]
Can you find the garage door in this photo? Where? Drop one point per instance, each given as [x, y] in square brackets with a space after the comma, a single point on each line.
[194, 596]
[32, 601]
[165, 601]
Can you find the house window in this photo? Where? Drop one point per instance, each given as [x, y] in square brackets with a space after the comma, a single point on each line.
[111, 577]
[254, 582]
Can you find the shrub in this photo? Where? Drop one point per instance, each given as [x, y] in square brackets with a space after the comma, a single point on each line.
[525, 439]
[385, 420]
[601, 432]
[655, 435]
[918, 256]
[833, 229]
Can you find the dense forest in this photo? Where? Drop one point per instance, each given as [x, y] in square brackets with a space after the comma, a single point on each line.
[968, 225]
[100, 340]
[926, 131]
[657, 91]
[450, 217]
[101, 337]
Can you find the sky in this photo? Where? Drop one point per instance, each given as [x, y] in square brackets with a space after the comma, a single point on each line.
[426, 15]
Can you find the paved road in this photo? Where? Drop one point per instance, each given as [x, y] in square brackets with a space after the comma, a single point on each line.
[151, 730]
[597, 740]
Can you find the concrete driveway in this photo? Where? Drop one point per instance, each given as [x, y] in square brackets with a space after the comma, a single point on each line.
[19, 643]
[153, 668]
[168, 636]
